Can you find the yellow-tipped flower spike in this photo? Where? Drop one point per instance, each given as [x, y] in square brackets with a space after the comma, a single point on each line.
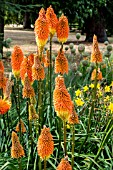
[64, 164]
[31, 58]
[28, 90]
[99, 74]
[61, 99]
[32, 112]
[16, 149]
[33, 100]
[45, 145]
[52, 20]
[26, 67]
[16, 60]
[41, 30]
[61, 63]
[62, 29]
[96, 55]
[21, 124]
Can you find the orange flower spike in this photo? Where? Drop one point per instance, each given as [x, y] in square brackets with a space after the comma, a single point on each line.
[42, 13]
[96, 55]
[23, 68]
[61, 99]
[21, 123]
[16, 60]
[8, 89]
[4, 106]
[73, 117]
[26, 67]
[1, 78]
[61, 63]
[62, 29]
[1, 66]
[31, 59]
[41, 30]
[45, 145]
[99, 74]
[64, 164]
[47, 59]
[28, 90]
[37, 70]
[17, 150]
[3, 81]
[52, 20]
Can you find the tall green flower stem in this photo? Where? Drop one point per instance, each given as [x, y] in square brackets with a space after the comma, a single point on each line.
[18, 105]
[92, 108]
[103, 142]
[4, 120]
[7, 121]
[65, 150]
[1, 93]
[59, 123]
[50, 76]
[45, 164]
[1, 96]
[109, 123]
[19, 164]
[36, 127]
[73, 145]
[110, 63]
[93, 100]
[40, 104]
[39, 164]
[61, 47]
[30, 139]
[40, 95]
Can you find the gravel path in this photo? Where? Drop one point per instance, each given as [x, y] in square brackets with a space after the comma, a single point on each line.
[26, 40]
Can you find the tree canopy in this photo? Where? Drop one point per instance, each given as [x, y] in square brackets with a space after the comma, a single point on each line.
[91, 16]
[77, 12]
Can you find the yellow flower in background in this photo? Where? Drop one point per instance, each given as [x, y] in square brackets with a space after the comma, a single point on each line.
[106, 98]
[99, 93]
[91, 85]
[98, 86]
[85, 88]
[111, 84]
[68, 126]
[79, 102]
[78, 93]
[107, 89]
[110, 107]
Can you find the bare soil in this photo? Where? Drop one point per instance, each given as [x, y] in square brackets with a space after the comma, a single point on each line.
[26, 40]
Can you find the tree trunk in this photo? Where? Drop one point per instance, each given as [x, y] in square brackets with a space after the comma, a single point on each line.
[96, 25]
[26, 21]
[1, 29]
